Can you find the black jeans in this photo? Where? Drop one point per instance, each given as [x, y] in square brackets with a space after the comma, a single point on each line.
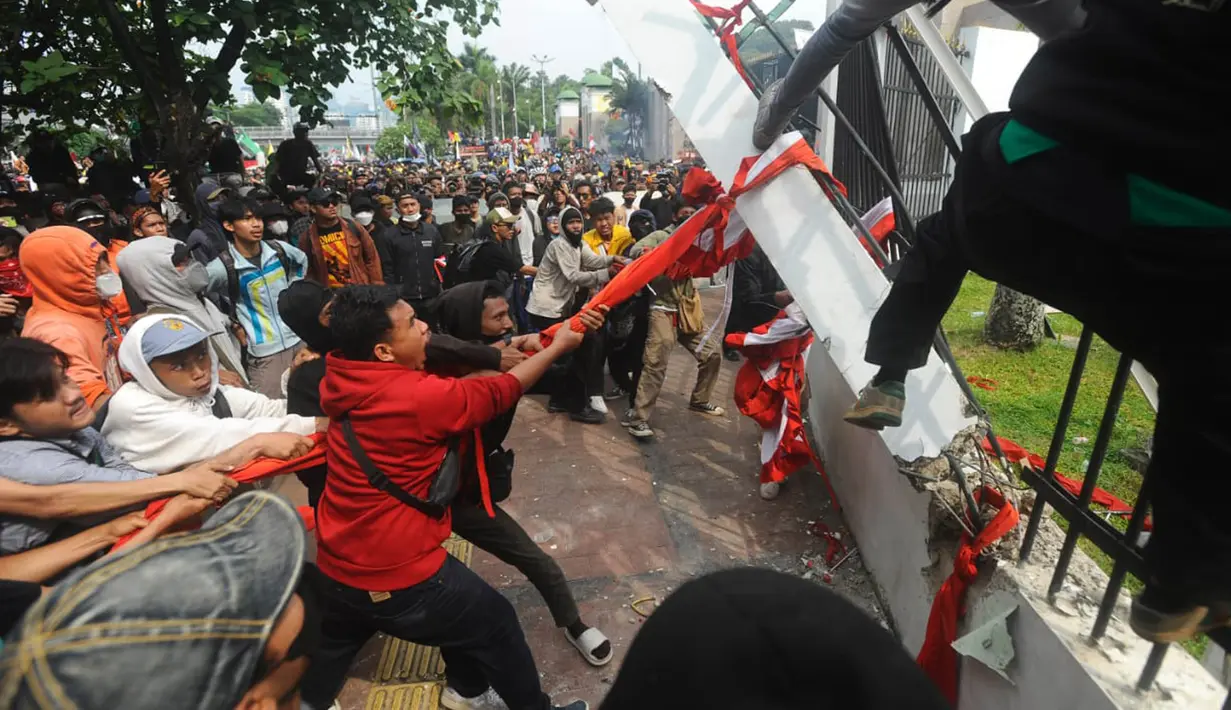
[505, 538]
[1058, 226]
[476, 629]
[585, 369]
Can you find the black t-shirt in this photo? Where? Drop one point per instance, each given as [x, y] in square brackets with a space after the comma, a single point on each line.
[226, 156]
[294, 156]
[15, 599]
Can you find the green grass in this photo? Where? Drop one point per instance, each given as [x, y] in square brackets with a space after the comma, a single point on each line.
[1029, 388]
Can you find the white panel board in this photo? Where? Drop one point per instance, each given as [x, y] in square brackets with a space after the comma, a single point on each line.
[817, 255]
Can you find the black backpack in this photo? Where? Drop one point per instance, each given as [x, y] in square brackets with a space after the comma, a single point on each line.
[457, 269]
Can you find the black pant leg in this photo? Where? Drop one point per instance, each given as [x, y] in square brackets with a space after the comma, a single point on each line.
[508, 541]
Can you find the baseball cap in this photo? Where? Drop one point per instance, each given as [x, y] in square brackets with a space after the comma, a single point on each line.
[170, 335]
[321, 195]
[502, 216]
[180, 622]
[384, 200]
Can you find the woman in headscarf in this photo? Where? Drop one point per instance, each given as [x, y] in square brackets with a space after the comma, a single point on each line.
[167, 280]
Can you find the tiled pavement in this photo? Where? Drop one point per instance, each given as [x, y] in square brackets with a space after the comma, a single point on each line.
[628, 520]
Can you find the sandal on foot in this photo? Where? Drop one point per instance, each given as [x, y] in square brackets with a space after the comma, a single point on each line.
[589, 640]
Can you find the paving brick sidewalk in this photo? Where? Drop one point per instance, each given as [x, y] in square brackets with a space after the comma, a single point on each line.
[627, 520]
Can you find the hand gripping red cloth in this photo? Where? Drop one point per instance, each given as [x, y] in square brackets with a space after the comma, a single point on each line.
[937, 657]
[700, 246]
[254, 470]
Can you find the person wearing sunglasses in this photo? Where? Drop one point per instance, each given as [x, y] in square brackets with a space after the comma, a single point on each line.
[340, 252]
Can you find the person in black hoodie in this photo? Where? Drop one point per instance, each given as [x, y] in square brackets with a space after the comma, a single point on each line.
[304, 307]
[1094, 193]
[478, 312]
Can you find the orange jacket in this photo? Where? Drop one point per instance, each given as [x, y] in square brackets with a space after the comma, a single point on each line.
[60, 263]
[123, 312]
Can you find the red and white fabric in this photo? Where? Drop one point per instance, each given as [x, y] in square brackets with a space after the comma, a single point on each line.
[769, 386]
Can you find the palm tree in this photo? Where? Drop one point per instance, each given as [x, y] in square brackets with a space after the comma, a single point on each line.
[480, 77]
[514, 76]
[630, 95]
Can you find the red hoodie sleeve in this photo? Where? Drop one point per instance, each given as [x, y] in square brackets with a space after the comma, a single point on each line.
[460, 405]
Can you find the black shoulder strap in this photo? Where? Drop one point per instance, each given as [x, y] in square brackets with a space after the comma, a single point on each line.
[376, 477]
[221, 408]
[228, 263]
[282, 258]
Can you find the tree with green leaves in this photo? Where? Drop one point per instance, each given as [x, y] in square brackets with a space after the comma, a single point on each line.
[479, 77]
[251, 114]
[162, 62]
[390, 144]
[630, 96]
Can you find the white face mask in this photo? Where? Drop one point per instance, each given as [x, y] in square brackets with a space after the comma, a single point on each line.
[364, 218]
[109, 285]
[278, 228]
[411, 218]
[196, 277]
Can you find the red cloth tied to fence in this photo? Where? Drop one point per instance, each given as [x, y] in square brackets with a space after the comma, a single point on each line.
[937, 657]
[731, 18]
[254, 470]
[713, 237]
[1015, 453]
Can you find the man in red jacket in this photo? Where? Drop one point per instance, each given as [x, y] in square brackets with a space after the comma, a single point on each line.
[389, 572]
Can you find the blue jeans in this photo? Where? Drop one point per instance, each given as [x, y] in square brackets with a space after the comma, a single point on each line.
[474, 626]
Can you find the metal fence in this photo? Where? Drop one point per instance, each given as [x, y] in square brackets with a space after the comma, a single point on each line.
[907, 154]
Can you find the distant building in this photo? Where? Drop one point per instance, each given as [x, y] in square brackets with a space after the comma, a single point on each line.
[595, 109]
[366, 122]
[568, 115]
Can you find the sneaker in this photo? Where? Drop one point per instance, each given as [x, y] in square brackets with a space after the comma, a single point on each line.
[589, 415]
[879, 406]
[629, 418]
[731, 356]
[575, 705]
[597, 404]
[555, 407]
[770, 491]
[772, 117]
[706, 408]
[1157, 620]
[640, 430]
[453, 700]
[616, 392]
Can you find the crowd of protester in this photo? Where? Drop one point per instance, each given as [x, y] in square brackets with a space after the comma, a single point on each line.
[154, 342]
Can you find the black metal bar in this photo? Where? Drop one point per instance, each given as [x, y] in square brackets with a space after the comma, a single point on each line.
[925, 92]
[833, 108]
[1101, 442]
[1058, 438]
[1098, 531]
[1153, 665]
[1116, 581]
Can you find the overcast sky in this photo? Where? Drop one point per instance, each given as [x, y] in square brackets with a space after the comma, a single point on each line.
[572, 32]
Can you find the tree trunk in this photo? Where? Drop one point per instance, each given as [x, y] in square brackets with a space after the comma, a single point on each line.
[1014, 320]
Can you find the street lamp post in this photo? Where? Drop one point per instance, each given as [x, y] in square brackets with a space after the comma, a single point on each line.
[542, 62]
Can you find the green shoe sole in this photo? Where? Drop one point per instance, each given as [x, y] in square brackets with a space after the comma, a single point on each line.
[875, 418]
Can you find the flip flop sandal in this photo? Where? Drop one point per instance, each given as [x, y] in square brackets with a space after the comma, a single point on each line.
[589, 640]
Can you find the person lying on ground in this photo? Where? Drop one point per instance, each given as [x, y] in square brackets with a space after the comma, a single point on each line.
[174, 412]
[388, 570]
[164, 601]
[46, 439]
[479, 312]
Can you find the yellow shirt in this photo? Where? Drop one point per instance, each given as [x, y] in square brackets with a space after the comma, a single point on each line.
[621, 240]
